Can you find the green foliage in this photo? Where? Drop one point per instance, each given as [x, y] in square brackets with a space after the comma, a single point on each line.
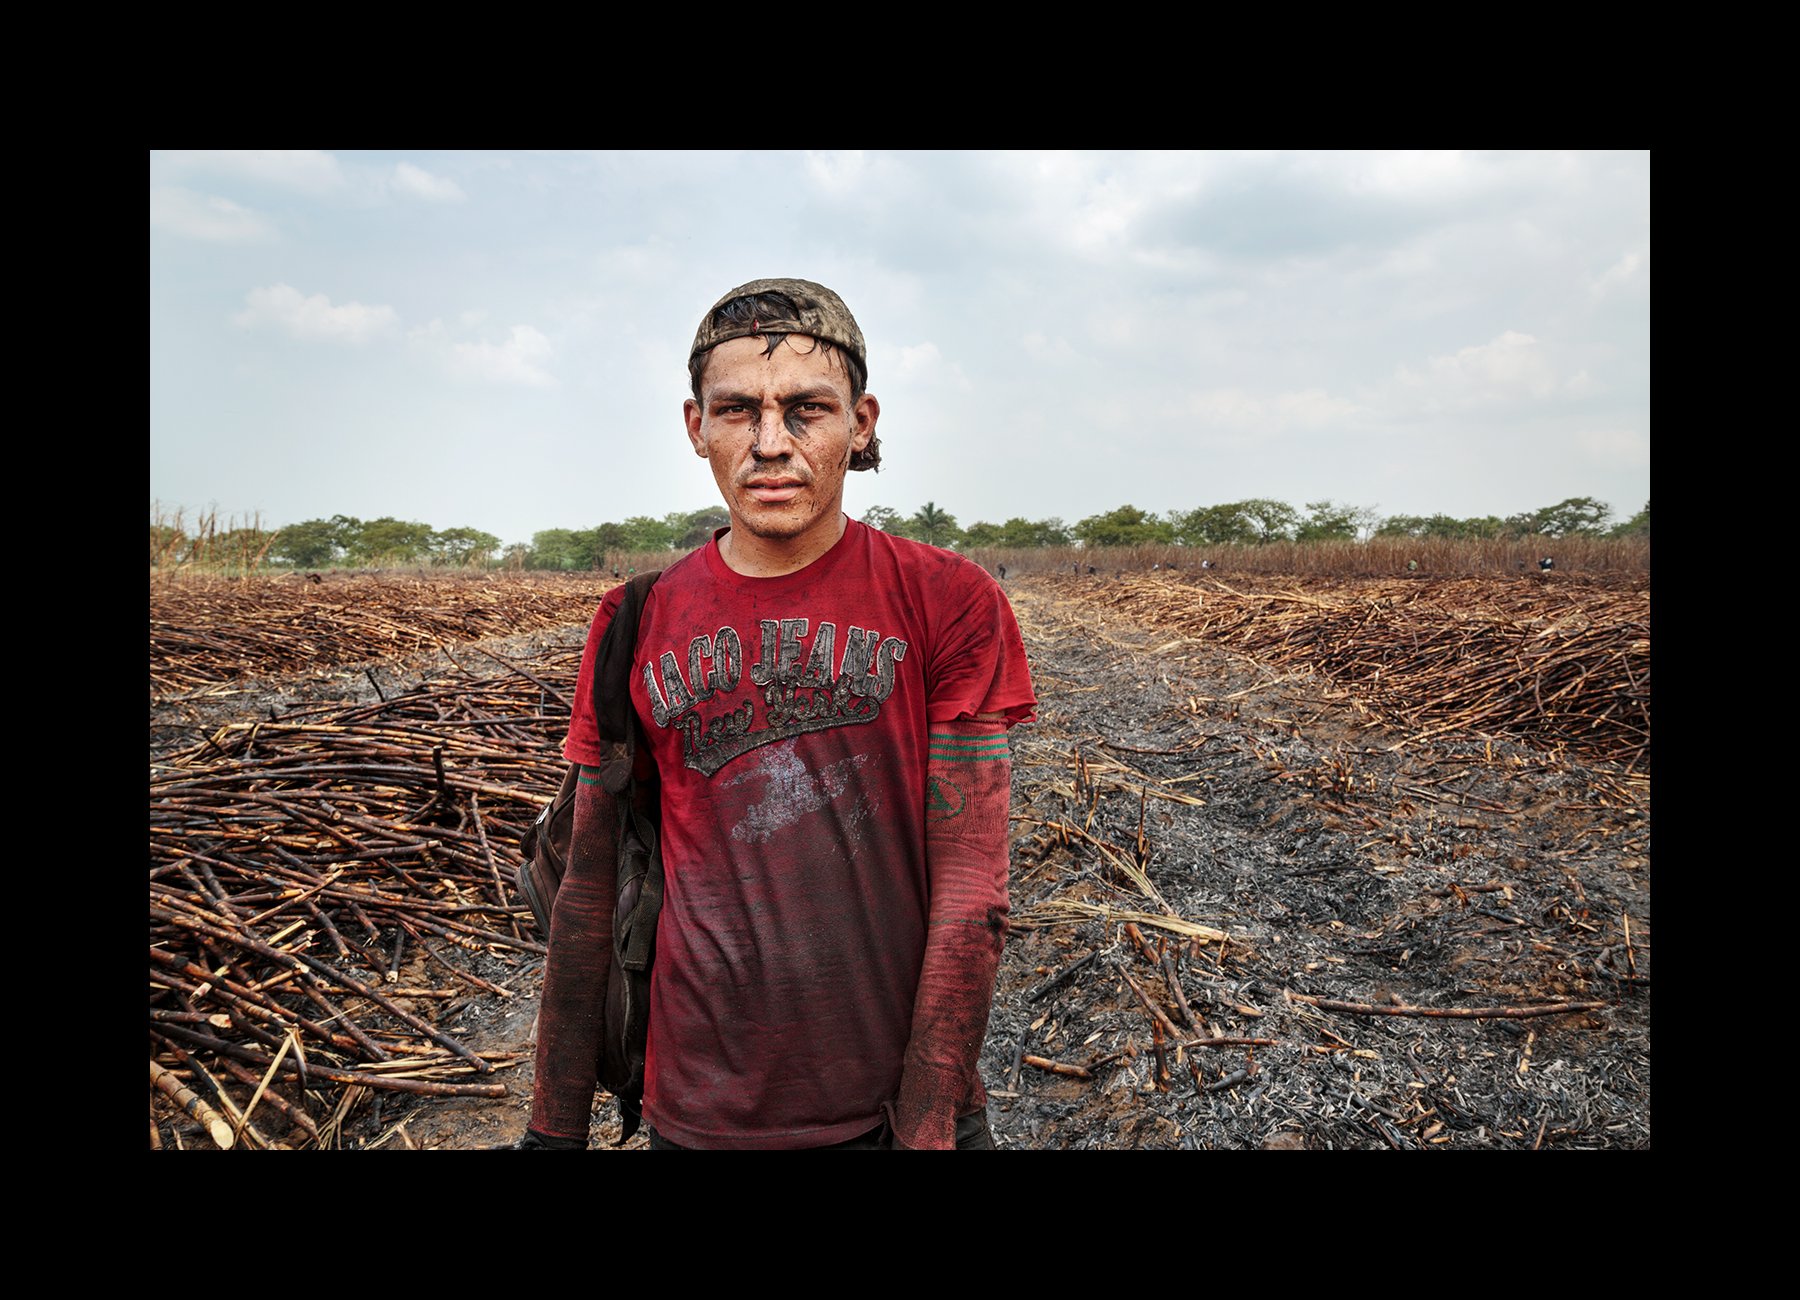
[463, 546]
[391, 541]
[643, 533]
[1445, 528]
[1636, 526]
[1573, 517]
[1035, 532]
[1329, 521]
[934, 526]
[695, 527]
[1125, 526]
[166, 542]
[558, 548]
[313, 544]
[1240, 523]
[1275, 521]
[886, 518]
[1212, 526]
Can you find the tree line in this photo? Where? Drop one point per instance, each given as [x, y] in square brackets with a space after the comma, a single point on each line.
[345, 540]
[1254, 522]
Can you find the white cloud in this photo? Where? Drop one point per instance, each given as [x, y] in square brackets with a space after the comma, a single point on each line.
[1619, 275]
[1238, 410]
[1405, 173]
[924, 364]
[1513, 365]
[519, 360]
[311, 171]
[841, 172]
[418, 183]
[206, 216]
[284, 306]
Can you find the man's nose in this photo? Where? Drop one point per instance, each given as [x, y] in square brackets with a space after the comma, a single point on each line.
[773, 440]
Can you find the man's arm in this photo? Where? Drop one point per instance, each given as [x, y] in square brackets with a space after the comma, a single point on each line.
[574, 1000]
[968, 793]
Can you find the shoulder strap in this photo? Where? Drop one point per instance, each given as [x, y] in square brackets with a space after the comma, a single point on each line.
[612, 677]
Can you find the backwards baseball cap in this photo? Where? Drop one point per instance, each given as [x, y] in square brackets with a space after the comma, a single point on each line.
[817, 311]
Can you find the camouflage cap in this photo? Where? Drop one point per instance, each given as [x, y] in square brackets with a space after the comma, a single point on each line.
[818, 312]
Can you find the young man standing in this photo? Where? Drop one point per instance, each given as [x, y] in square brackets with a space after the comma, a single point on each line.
[827, 709]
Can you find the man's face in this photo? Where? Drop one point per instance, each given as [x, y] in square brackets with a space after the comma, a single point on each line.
[778, 430]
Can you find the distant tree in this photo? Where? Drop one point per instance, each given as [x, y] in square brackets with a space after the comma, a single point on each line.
[1212, 526]
[392, 541]
[592, 546]
[1275, 521]
[886, 518]
[1125, 526]
[935, 526]
[313, 544]
[1332, 521]
[1410, 526]
[556, 548]
[463, 546]
[1020, 532]
[517, 556]
[1636, 526]
[1573, 517]
[982, 533]
[646, 534]
[696, 527]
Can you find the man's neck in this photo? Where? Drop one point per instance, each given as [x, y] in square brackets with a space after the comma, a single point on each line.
[756, 557]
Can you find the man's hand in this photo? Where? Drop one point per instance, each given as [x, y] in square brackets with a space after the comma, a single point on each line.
[968, 793]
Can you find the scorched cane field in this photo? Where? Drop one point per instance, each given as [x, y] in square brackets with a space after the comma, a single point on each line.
[1297, 863]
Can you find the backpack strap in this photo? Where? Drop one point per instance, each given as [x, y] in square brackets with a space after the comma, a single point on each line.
[612, 683]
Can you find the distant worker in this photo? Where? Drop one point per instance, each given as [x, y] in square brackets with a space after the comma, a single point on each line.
[1206, 564]
[1001, 570]
[1546, 564]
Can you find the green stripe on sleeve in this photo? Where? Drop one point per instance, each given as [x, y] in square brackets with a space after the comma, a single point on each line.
[970, 749]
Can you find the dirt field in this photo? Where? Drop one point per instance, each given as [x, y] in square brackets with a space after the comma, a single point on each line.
[1249, 909]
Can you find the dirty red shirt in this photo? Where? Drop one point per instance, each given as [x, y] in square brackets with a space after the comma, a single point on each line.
[788, 719]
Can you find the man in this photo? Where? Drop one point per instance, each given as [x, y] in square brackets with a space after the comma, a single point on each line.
[827, 709]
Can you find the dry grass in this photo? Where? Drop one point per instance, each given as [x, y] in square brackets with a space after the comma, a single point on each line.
[1381, 557]
[204, 545]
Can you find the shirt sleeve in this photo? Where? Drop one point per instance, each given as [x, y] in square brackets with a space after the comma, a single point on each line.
[583, 744]
[979, 665]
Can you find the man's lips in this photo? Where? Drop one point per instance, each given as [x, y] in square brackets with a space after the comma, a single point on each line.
[774, 491]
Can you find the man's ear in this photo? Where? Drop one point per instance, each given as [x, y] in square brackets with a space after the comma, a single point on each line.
[864, 412]
[690, 412]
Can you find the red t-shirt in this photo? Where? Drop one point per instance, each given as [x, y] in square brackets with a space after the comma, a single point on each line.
[787, 717]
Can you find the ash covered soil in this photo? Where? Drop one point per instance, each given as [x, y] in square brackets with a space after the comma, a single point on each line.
[1312, 904]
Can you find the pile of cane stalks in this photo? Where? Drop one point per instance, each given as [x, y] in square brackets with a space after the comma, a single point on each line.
[1559, 664]
[205, 631]
[329, 891]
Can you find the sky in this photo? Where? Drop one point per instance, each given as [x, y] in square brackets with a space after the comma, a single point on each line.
[499, 340]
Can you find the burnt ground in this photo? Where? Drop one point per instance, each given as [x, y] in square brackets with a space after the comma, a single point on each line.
[1342, 863]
